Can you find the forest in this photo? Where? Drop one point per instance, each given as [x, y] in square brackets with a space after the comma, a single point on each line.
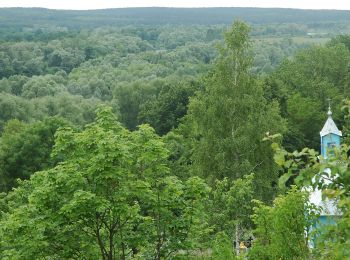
[165, 133]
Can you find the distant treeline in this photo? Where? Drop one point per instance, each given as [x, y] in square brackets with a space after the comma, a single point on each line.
[156, 16]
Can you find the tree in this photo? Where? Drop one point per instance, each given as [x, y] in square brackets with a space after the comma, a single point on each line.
[280, 229]
[306, 169]
[308, 80]
[13, 84]
[231, 116]
[110, 197]
[222, 247]
[231, 207]
[39, 86]
[26, 148]
[13, 107]
[88, 198]
[166, 110]
[75, 109]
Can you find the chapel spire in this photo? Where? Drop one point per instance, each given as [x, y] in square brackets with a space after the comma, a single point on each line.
[330, 134]
[329, 113]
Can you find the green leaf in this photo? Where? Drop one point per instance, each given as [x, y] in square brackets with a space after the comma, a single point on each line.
[283, 179]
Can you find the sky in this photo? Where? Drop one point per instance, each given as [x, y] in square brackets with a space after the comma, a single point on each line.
[101, 4]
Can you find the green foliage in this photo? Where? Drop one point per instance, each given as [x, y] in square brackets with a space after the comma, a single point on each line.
[25, 149]
[341, 39]
[180, 145]
[75, 109]
[121, 194]
[12, 107]
[40, 86]
[231, 117]
[331, 176]
[231, 207]
[110, 197]
[165, 111]
[222, 247]
[280, 229]
[303, 85]
[13, 84]
[333, 242]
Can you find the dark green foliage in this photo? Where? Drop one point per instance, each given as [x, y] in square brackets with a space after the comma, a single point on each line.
[12, 107]
[303, 86]
[165, 111]
[25, 149]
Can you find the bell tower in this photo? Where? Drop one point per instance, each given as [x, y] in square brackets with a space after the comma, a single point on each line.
[330, 135]
[330, 139]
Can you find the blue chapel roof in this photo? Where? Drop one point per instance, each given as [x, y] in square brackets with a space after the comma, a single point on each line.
[330, 127]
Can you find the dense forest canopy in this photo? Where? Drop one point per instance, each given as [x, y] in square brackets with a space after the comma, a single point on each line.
[146, 132]
[37, 23]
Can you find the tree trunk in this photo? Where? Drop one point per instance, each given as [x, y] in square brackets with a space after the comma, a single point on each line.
[111, 246]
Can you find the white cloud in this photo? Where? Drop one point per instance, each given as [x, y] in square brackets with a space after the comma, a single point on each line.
[99, 4]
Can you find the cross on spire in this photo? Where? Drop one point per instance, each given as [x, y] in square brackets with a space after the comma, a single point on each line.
[329, 113]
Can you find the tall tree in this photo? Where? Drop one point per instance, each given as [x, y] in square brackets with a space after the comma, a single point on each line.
[231, 116]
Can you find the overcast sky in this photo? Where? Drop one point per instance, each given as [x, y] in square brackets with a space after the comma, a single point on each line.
[100, 4]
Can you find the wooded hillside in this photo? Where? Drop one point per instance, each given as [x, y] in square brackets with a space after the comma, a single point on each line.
[166, 133]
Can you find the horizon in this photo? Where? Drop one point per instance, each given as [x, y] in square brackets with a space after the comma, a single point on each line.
[107, 4]
[170, 7]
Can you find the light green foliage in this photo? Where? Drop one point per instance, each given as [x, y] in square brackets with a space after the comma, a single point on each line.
[239, 200]
[13, 84]
[13, 107]
[222, 247]
[40, 86]
[295, 165]
[176, 207]
[305, 169]
[110, 197]
[231, 117]
[334, 241]
[280, 228]
[76, 109]
[231, 207]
